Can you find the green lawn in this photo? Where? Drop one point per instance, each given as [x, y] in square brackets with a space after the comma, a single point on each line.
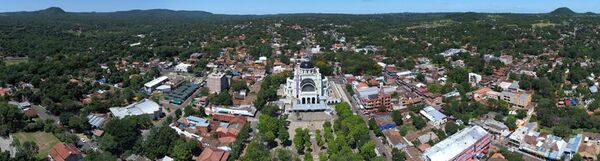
[15, 61]
[45, 141]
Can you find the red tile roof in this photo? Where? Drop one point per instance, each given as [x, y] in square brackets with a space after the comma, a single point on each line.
[65, 152]
[211, 154]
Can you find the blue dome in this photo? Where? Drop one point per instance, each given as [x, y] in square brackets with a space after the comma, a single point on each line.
[306, 65]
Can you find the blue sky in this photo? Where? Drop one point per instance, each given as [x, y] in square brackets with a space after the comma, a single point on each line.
[307, 6]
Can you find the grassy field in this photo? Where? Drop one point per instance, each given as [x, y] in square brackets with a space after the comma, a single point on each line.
[45, 141]
[543, 24]
[433, 24]
[15, 61]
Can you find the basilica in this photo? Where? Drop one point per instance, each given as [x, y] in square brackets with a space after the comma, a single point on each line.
[307, 89]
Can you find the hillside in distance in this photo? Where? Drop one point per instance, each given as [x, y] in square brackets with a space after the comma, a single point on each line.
[563, 11]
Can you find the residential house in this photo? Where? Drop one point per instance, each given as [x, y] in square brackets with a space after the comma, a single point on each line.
[213, 154]
[394, 139]
[183, 67]
[64, 152]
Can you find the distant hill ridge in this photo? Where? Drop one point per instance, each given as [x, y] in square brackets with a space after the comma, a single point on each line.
[150, 12]
[189, 13]
[563, 11]
[52, 10]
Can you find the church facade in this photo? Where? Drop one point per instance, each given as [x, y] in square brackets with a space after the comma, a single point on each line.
[307, 89]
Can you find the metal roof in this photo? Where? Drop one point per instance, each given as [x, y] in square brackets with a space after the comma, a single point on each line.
[156, 81]
[455, 144]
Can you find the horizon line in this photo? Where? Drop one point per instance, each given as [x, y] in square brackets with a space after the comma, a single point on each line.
[284, 13]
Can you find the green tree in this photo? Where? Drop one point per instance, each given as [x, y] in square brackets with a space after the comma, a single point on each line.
[306, 140]
[299, 139]
[25, 151]
[268, 136]
[237, 145]
[398, 155]
[349, 89]
[367, 151]
[237, 85]
[322, 156]
[319, 138]
[451, 128]
[159, 142]
[78, 123]
[4, 155]
[308, 157]
[223, 98]
[577, 157]
[416, 107]
[256, 152]
[373, 126]
[511, 122]
[283, 134]
[512, 156]
[403, 130]
[125, 132]
[182, 151]
[108, 143]
[562, 131]
[420, 77]
[100, 156]
[266, 127]
[397, 117]
[281, 154]
[434, 88]
[178, 113]
[11, 119]
[521, 114]
[418, 121]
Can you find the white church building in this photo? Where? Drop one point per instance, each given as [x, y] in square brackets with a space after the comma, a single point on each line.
[307, 90]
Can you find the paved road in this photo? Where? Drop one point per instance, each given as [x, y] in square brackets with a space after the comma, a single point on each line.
[5, 145]
[379, 145]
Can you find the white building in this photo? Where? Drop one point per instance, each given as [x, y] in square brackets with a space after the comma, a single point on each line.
[183, 67]
[466, 144]
[434, 116]
[474, 79]
[150, 86]
[244, 110]
[144, 107]
[307, 90]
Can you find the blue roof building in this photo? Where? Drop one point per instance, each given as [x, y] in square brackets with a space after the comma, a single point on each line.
[197, 121]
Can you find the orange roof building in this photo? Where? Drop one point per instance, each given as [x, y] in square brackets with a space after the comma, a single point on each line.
[65, 152]
[212, 154]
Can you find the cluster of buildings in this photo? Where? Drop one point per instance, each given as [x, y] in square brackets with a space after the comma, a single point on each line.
[542, 145]
[511, 93]
[218, 132]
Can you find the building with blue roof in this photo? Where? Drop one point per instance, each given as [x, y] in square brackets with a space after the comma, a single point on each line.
[95, 121]
[197, 121]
